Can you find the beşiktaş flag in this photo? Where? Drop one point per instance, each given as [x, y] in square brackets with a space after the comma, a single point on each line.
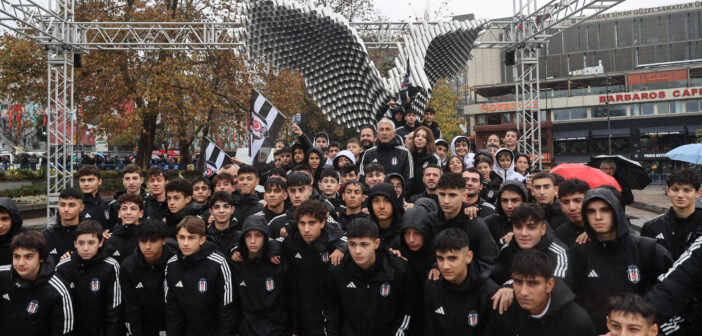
[403, 96]
[215, 158]
[265, 123]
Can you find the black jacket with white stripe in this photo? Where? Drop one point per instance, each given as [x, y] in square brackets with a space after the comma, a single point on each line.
[548, 244]
[394, 156]
[40, 307]
[142, 293]
[675, 234]
[200, 297]
[674, 298]
[599, 269]
[59, 238]
[97, 294]
[96, 208]
[375, 302]
[451, 310]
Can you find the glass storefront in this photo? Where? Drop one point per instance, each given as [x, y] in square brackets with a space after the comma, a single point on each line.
[654, 143]
[619, 146]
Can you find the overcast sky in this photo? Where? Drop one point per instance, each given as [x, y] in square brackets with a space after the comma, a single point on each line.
[408, 10]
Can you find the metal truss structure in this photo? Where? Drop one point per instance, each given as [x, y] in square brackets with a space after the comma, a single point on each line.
[534, 22]
[54, 28]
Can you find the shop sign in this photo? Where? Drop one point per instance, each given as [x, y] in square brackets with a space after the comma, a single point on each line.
[654, 156]
[651, 95]
[657, 77]
[504, 107]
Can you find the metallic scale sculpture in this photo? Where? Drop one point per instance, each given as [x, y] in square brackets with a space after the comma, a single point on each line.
[334, 62]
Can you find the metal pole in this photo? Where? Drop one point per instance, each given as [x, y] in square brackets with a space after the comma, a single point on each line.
[609, 121]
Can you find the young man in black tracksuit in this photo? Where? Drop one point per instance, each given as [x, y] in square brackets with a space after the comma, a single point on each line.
[200, 296]
[266, 290]
[132, 180]
[682, 224]
[354, 194]
[276, 197]
[96, 208]
[571, 194]
[511, 195]
[141, 278]
[61, 235]
[545, 192]
[93, 277]
[310, 250]
[415, 243]
[225, 230]
[630, 313]
[459, 303]
[614, 260]
[155, 206]
[474, 184]
[544, 305]
[248, 200]
[123, 239]
[451, 189]
[386, 211]
[529, 228]
[35, 300]
[371, 292]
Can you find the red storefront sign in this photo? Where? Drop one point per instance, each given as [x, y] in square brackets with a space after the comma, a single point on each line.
[657, 77]
[651, 95]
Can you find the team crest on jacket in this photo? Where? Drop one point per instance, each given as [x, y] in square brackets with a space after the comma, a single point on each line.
[633, 274]
[472, 318]
[425, 165]
[202, 285]
[385, 289]
[491, 193]
[270, 284]
[394, 161]
[107, 214]
[94, 285]
[33, 307]
[325, 257]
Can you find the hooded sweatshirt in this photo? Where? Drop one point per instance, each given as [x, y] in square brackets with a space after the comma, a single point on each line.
[498, 222]
[40, 307]
[265, 289]
[563, 316]
[468, 159]
[404, 185]
[386, 235]
[420, 261]
[345, 153]
[97, 294]
[600, 269]
[6, 204]
[453, 310]
[506, 174]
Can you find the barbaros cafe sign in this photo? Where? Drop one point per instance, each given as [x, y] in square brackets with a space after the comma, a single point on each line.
[649, 96]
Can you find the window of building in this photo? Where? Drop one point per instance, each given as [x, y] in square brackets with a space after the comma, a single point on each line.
[692, 105]
[493, 119]
[507, 118]
[561, 114]
[660, 143]
[578, 147]
[601, 146]
[481, 119]
[663, 108]
[642, 109]
[578, 113]
[675, 106]
[614, 111]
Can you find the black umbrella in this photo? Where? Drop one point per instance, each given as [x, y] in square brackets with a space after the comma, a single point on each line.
[629, 171]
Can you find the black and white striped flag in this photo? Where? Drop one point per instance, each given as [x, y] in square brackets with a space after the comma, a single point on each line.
[215, 158]
[403, 96]
[264, 125]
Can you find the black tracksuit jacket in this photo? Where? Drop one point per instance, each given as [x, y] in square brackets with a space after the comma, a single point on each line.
[388, 235]
[8, 205]
[549, 244]
[599, 270]
[142, 293]
[97, 294]
[40, 307]
[675, 234]
[172, 219]
[246, 206]
[378, 302]
[266, 290]
[113, 206]
[484, 249]
[97, 209]
[123, 241]
[564, 317]
[394, 156]
[309, 265]
[568, 232]
[154, 209]
[464, 310]
[60, 238]
[490, 189]
[420, 261]
[226, 240]
[200, 296]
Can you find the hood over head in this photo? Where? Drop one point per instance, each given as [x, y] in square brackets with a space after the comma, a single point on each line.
[347, 153]
[428, 204]
[253, 223]
[402, 180]
[453, 143]
[512, 186]
[420, 219]
[484, 152]
[388, 191]
[321, 135]
[8, 205]
[496, 165]
[441, 142]
[622, 224]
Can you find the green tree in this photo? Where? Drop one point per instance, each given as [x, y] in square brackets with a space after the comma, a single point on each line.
[445, 100]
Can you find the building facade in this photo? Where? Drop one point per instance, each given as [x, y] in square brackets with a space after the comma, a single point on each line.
[642, 67]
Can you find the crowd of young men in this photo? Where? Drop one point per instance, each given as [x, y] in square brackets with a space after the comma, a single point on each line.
[328, 247]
